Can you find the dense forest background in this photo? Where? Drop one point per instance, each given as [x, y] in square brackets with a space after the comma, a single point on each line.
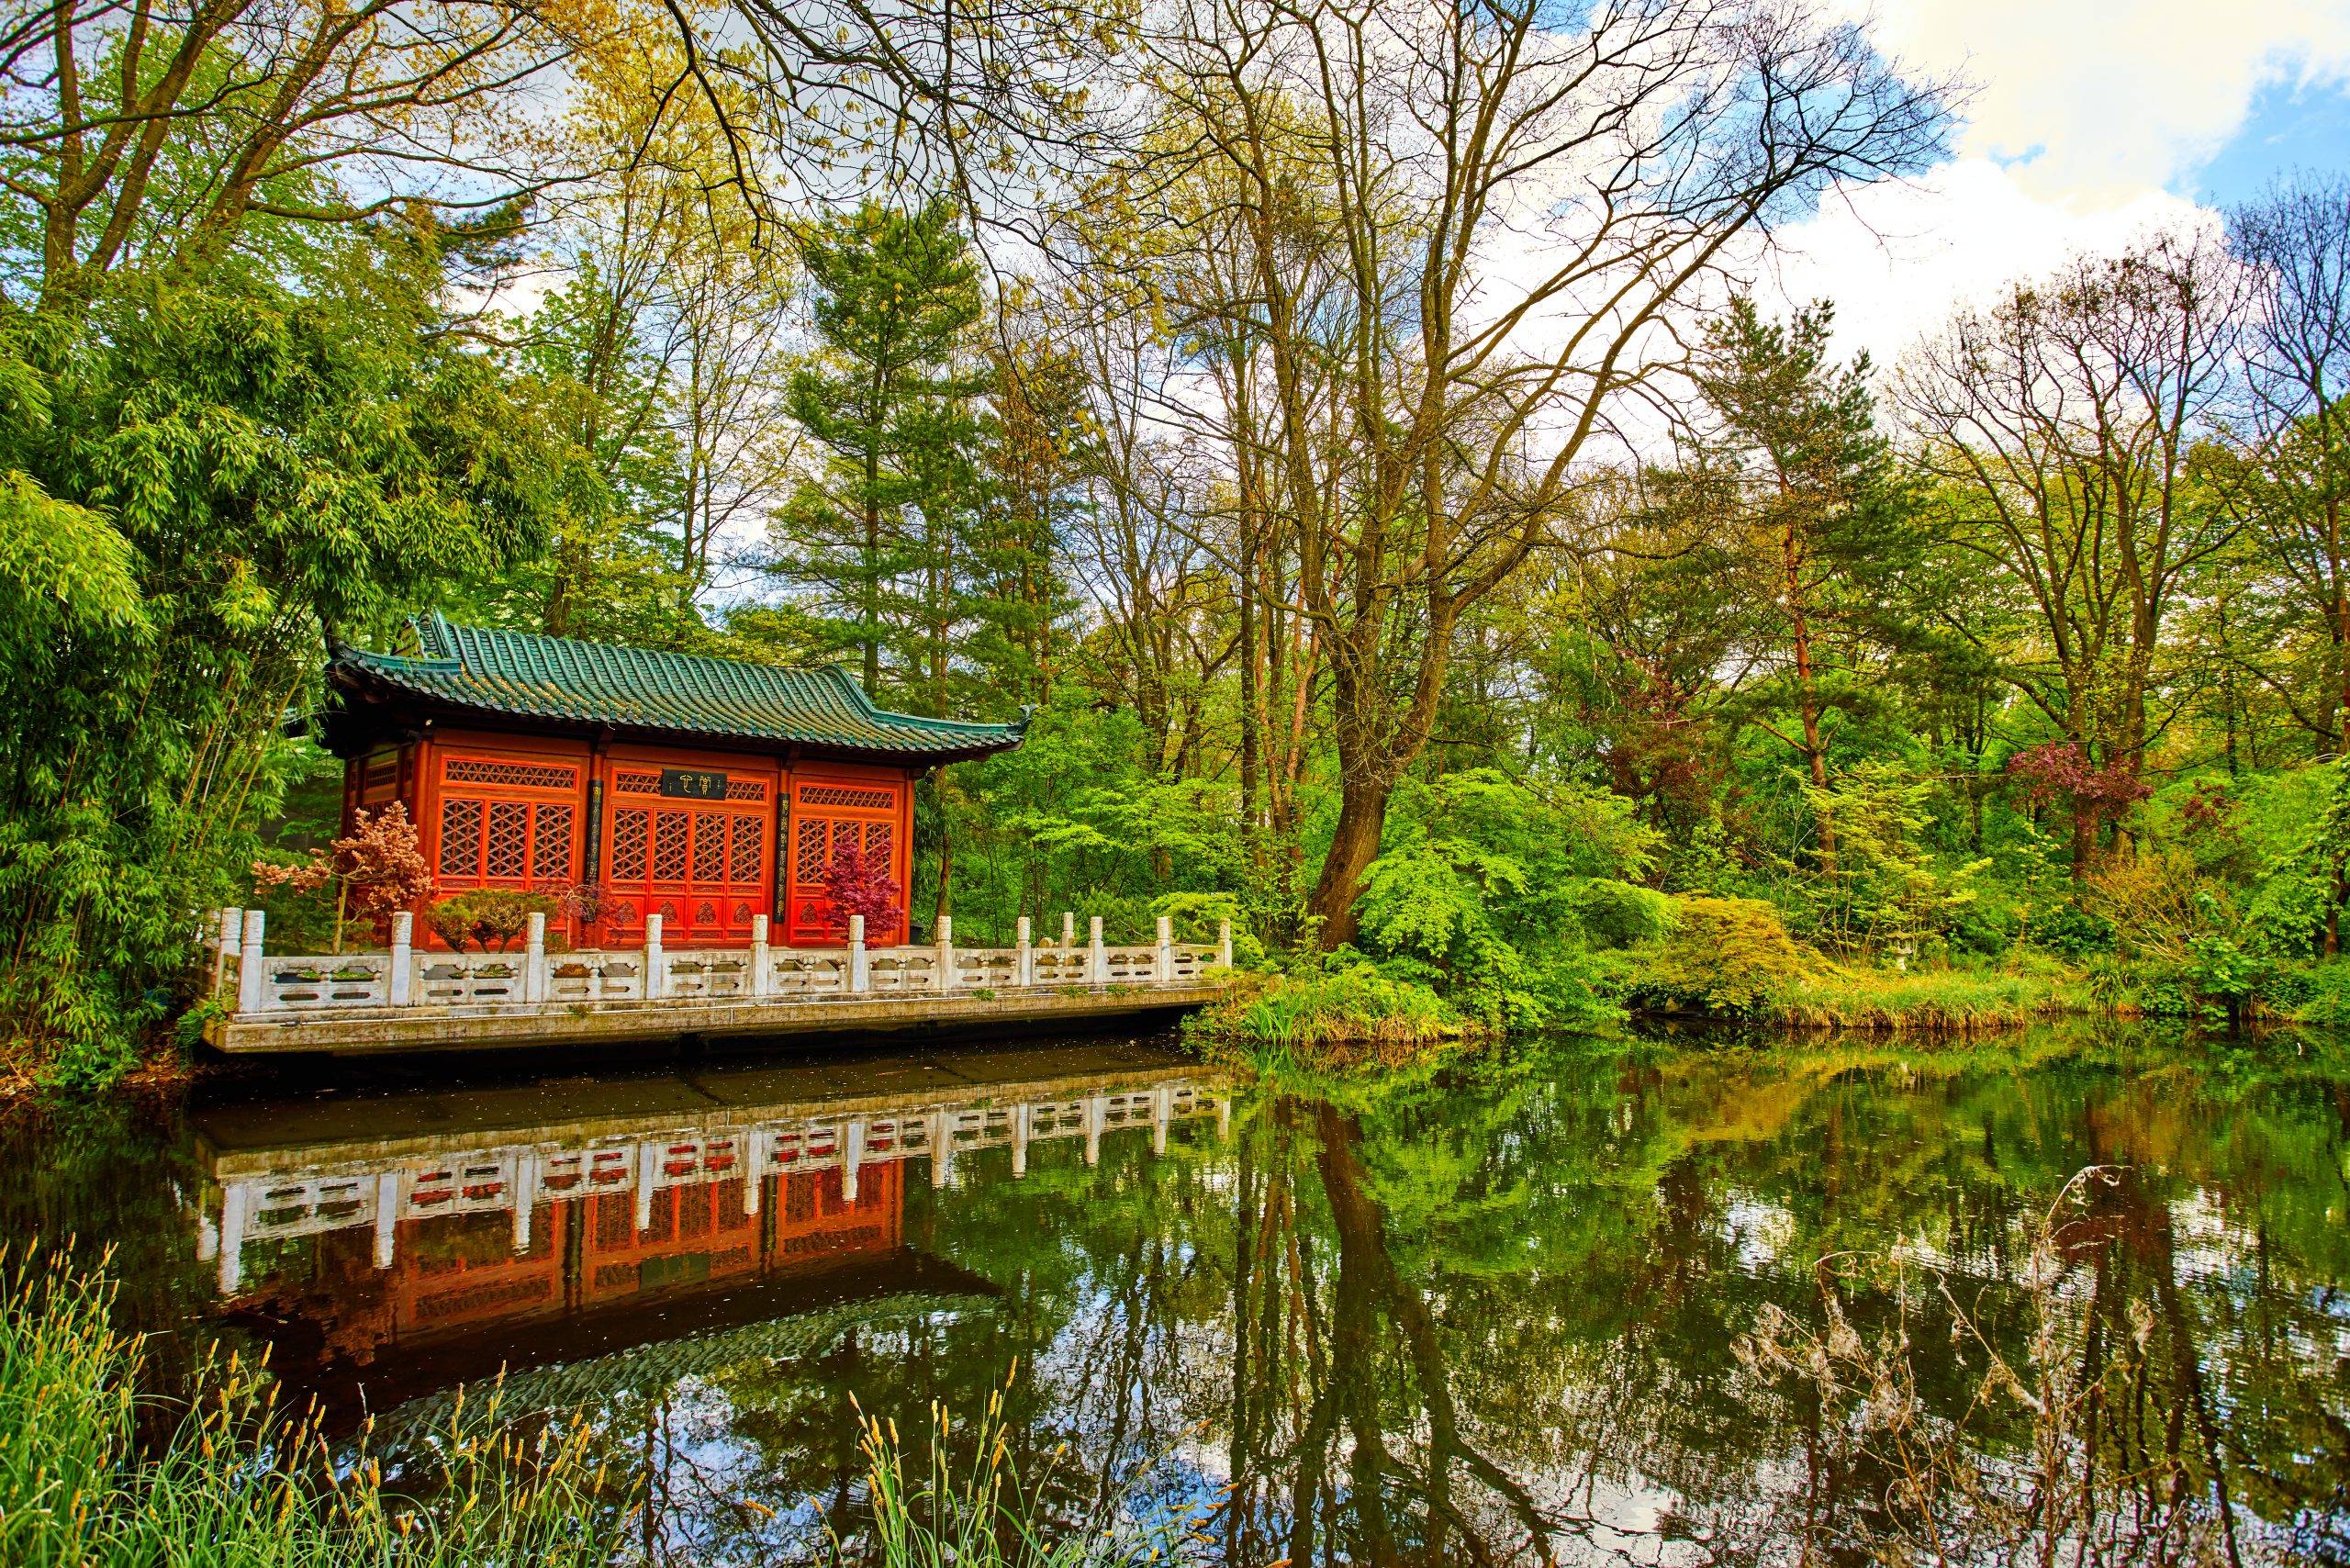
[1351, 434]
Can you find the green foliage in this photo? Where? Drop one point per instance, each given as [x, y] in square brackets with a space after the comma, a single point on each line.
[1727, 957]
[1479, 887]
[2066, 929]
[204, 479]
[1620, 915]
[492, 919]
[1888, 890]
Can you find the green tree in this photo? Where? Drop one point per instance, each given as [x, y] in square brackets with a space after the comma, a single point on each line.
[1795, 458]
[239, 473]
[891, 396]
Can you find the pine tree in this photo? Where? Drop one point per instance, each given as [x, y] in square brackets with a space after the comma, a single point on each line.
[893, 398]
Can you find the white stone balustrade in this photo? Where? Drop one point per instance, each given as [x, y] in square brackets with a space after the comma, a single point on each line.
[538, 975]
[514, 1178]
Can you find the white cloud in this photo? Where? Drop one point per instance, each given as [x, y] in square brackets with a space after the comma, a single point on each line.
[1898, 259]
[2093, 101]
[2083, 114]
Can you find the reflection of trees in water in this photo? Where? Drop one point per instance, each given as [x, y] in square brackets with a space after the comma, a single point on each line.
[1427, 1395]
[1492, 1320]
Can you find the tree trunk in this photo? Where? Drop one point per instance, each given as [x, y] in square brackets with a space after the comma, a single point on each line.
[1252, 839]
[1806, 700]
[1362, 816]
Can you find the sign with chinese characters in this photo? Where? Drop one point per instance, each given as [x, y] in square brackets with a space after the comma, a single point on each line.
[693, 784]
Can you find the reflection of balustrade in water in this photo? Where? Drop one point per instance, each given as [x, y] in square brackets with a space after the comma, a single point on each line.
[404, 976]
[518, 1177]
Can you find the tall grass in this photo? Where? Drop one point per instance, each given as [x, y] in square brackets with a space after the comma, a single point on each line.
[976, 1513]
[229, 1483]
[1325, 1016]
[1927, 1001]
[234, 1483]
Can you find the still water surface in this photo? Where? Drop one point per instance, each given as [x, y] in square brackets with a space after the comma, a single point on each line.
[1485, 1314]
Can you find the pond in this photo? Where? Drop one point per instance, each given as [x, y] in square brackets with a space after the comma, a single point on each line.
[1506, 1311]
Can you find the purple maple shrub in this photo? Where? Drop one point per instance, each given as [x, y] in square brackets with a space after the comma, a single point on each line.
[859, 883]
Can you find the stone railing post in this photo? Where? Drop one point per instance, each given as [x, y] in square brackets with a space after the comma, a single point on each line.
[657, 983]
[535, 959]
[942, 1147]
[1097, 958]
[225, 945]
[252, 996]
[388, 1218]
[525, 1188]
[233, 1238]
[762, 966]
[1224, 943]
[860, 973]
[402, 978]
[1165, 972]
[946, 969]
[1024, 962]
[1068, 931]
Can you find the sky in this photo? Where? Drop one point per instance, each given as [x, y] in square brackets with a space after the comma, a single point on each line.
[2088, 121]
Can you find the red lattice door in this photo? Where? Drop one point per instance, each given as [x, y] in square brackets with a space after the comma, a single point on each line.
[702, 865]
[507, 822]
[825, 815]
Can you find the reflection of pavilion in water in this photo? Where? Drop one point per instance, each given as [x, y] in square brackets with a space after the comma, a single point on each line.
[372, 1238]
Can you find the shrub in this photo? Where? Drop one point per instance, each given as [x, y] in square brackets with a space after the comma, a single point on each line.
[1619, 915]
[857, 883]
[1730, 956]
[1346, 1002]
[488, 918]
[2069, 931]
[377, 872]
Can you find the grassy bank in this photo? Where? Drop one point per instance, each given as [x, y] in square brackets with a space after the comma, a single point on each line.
[1942, 1001]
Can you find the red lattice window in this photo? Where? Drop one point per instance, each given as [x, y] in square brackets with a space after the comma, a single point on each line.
[460, 837]
[514, 843]
[512, 775]
[507, 856]
[669, 836]
[630, 828]
[827, 818]
[702, 864]
[846, 795]
[551, 843]
[749, 849]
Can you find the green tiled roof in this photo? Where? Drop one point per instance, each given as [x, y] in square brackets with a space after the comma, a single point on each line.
[522, 675]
